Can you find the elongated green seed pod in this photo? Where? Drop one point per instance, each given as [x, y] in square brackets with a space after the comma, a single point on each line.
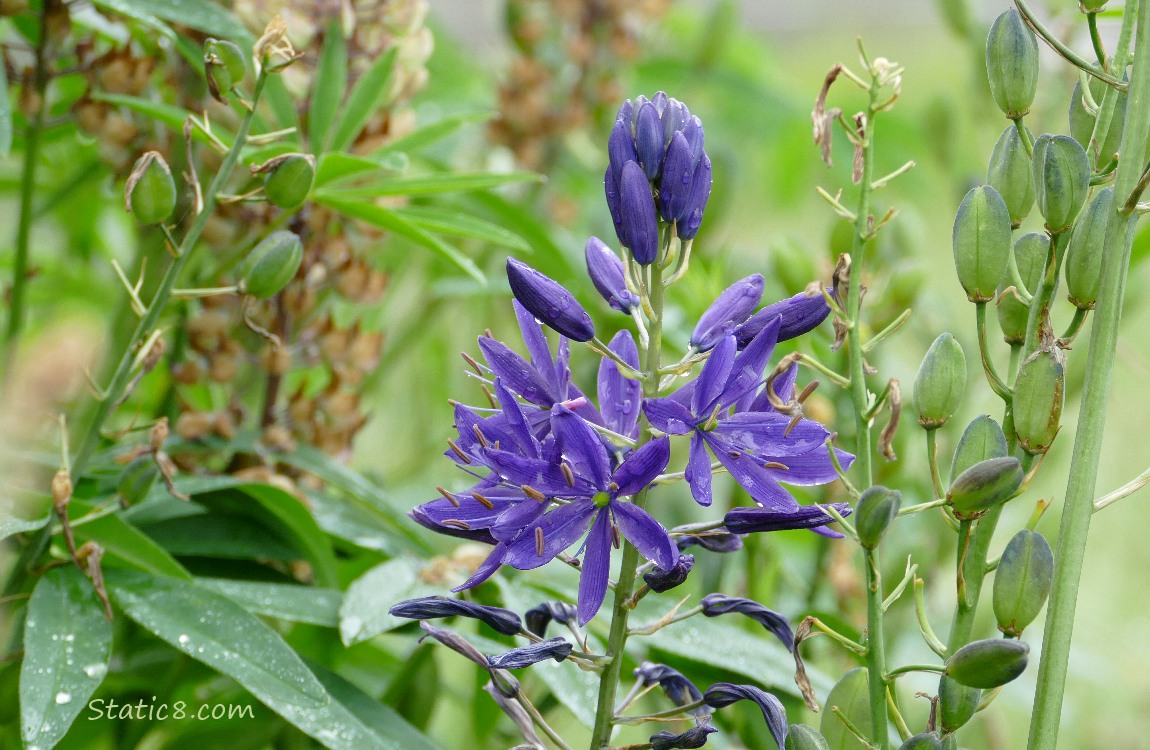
[1084, 256]
[876, 509]
[1038, 395]
[989, 663]
[1031, 252]
[940, 382]
[1061, 174]
[150, 192]
[271, 264]
[288, 180]
[981, 242]
[1022, 581]
[982, 439]
[985, 485]
[1009, 173]
[957, 703]
[1012, 64]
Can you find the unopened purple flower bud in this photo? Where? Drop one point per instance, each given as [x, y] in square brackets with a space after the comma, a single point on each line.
[697, 202]
[548, 301]
[625, 114]
[750, 520]
[675, 187]
[620, 146]
[525, 656]
[538, 618]
[637, 211]
[693, 133]
[606, 271]
[723, 694]
[721, 604]
[660, 101]
[693, 738]
[678, 689]
[729, 309]
[649, 140]
[675, 117]
[614, 200]
[665, 579]
[430, 607]
[800, 314]
[720, 542]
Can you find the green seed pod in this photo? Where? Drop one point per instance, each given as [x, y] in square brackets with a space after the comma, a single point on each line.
[989, 663]
[1009, 174]
[288, 179]
[956, 703]
[270, 265]
[802, 737]
[137, 480]
[1084, 256]
[1092, 6]
[981, 241]
[923, 741]
[150, 192]
[985, 485]
[1082, 121]
[1061, 174]
[852, 696]
[1012, 64]
[1022, 581]
[982, 439]
[940, 382]
[1031, 252]
[223, 67]
[1038, 392]
[875, 510]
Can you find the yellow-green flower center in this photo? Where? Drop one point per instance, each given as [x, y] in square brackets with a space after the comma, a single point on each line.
[601, 499]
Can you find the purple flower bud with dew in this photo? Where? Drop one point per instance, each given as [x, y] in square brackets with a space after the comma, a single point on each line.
[749, 520]
[525, 656]
[800, 314]
[606, 271]
[548, 301]
[697, 201]
[730, 309]
[637, 207]
[649, 140]
[678, 689]
[430, 607]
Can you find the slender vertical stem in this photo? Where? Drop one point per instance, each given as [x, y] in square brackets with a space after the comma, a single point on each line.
[617, 639]
[1075, 524]
[18, 303]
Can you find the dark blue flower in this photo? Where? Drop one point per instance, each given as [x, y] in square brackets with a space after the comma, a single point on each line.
[538, 618]
[720, 604]
[729, 309]
[751, 520]
[692, 738]
[607, 274]
[678, 689]
[640, 224]
[548, 301]
[524, 656]
[665, 579]
[721, 542]
[430, 607]
[723, 694]
[800, 314]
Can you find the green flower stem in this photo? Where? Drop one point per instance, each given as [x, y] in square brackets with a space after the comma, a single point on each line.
[27, 194]
[1039, 316]
[1056, 44]
[1096, 40]
[932, 458]
[1076, 513]
[123, 374]
[996, 383]
[617, 640]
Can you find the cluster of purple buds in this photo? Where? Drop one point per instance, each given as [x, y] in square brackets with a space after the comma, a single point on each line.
[658, 172]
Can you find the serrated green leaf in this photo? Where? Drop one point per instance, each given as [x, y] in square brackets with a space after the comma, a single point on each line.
[385, 218]
[428, 134]
[852, 695]
[201, 15]
[462, 224]
[364, 613]
[367, 95]
[432, 184]
[67, 642]
[123, 543]
[212, 629]
[285, 601]
[327, 86]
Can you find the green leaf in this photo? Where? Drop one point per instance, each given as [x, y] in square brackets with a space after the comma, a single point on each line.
[342, 517]
[385, 218]
[364, 612]
[462, 224]
[432, 184]
[431, 133]
[201, 15]
[375, 715]
[67, 642]
[328, 86]
[10, 525]
[228, 536]
[283, 600]
[367, 95]
[166, 114]
[852, 695]
[335, 166]
[297, 524]
[212, 629]
[124, 544]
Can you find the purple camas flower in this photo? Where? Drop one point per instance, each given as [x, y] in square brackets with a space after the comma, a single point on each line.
[801, 314]
[620, 398]
[730, 309]
[606, 271]
[548, 301]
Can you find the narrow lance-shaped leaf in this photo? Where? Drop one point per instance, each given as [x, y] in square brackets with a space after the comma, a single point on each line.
[327, 86]
[368, 94]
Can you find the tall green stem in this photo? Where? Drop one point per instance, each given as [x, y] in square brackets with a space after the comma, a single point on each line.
[1075, 525]
[617, 640]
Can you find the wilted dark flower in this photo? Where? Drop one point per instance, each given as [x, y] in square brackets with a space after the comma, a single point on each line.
[607, 274]
[538, 618]
[713, 541]
[430, 607]
[721, 604]
[723, 694]
[525, 656]
[800, 314]
[665, 579]
[729, 309]
[519, 715]
[750, 520]
[548, 301]
[504, 681]
[692, 738]
[678, 689]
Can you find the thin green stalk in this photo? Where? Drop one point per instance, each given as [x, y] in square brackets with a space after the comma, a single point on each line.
[16, 309]
[1075, 527]
[617, 640]
[1040, 304]
[123, 374]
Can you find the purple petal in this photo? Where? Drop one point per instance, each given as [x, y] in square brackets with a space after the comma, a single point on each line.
[486, 569]
[518, 431]
[678, 689]
[637, 207]
[483, 535]
[675, 187]
[729, 309]
[765, 434]
[606, 271]
[801, 314]
[647, 534]
[510, 523]
[596, 569]
[827, 532]
[649, 140]
[720, 604]
[693, 132]
[783, 386]
[642, 466]
[750, 474]
[561, 527]
[620, 398]
[724, 694]
[751, 520]
[471, 511]
[614, 200]
[516, 373]
[548, 301]
[713, 378]
[720, 542]
[620, 146]
[430, 607]
[674, 117]
[581, 447]
[813, 468]
[747, 373]
[541, 475]
[698, 473]
[669, 416]
[525, 656]
[532, 331]
[697, 202]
